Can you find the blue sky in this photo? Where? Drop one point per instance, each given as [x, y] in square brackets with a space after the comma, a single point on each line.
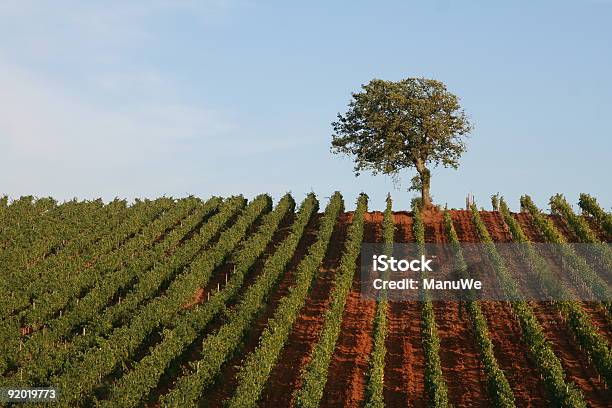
[144, 98]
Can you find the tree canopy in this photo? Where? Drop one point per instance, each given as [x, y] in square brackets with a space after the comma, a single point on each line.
[391, 126]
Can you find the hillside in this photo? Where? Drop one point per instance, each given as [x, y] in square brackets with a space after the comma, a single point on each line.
[187, 302]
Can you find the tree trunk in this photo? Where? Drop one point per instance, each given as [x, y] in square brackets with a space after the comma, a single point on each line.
[425, 175]
[426, 184]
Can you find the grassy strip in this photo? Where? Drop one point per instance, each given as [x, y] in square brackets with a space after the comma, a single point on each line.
[49, 304]
[50, 351]
[48, 307]
[257, 366]
[51, 276]
[314, 376]
[61, 238]
[584, 331]
[434, 379]
[53, 272]
[162, 274]
[47, 235]
[21, 215]
[499, 388]
[135, 385]
[376, 374]
[81, 378]
[217, 347]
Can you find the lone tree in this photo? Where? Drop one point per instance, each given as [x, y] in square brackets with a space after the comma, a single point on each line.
[391, 126]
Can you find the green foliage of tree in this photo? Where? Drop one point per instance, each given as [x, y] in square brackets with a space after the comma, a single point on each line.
[412, 123]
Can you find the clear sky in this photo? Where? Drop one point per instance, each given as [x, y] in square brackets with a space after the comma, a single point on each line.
[150, 97]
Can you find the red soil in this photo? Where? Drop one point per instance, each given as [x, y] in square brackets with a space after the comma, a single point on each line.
[224, 388]
[593, 310]
[505, 332]
[404, 383]
[599, 319]
[26, 330]
[531, 231]
[285, 376]
[198, 297]
[497, 228]
[512, 355]
[597, 230]
[404, 363]
[574, 361]
[349, 365]
[528, 227]
[460, 360]
[563, 228]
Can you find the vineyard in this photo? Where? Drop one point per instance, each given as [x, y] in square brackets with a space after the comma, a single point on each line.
[227, 302]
